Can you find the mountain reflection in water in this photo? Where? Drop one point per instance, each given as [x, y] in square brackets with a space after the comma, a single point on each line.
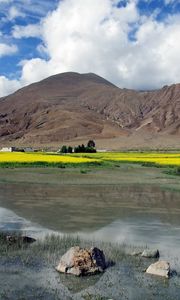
[135, 231]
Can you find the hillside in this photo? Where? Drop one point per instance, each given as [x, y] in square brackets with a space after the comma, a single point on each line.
[73, 107]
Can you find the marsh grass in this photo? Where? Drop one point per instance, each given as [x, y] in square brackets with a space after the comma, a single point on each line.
[36, 164]
[83, 171]
[42, 164]
[40, 258]
[52, 247]
[45, 255]
[173, 171]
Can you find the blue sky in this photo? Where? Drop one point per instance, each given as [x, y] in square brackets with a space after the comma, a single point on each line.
[31, 13]
[132, 43]
[164, 8]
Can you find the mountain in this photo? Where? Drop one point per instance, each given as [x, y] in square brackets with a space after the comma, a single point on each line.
[72, 107]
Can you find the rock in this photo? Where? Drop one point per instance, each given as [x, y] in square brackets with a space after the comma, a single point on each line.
[150, 253]
[136, 253]
[15, 239]
[79, 261]
[160, 268]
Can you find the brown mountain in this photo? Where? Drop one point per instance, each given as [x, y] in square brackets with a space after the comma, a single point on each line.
[72, 107]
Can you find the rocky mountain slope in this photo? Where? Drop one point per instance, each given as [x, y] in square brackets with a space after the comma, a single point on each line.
[72, 106]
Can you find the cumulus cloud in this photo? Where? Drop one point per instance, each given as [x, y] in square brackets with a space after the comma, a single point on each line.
[119, 44]
[8, 86]
[93, 36]
[7, 49]
[153, 60]
[84, 37]
[34, 70]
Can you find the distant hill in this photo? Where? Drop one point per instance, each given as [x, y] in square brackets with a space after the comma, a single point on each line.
[72, 107]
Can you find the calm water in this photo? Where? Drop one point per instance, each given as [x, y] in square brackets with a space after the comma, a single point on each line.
[133, 214]
[130, 204]
[9, 221]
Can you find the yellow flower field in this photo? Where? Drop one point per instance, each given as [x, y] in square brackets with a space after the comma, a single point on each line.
[20, 157]
[165, 159]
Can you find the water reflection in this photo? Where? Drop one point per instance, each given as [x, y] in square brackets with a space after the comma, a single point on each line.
[74, 208]
[134, 214]
[9, 221]
[136, 231]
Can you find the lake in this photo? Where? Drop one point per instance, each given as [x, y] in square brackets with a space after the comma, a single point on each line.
[134, 205]
[127, 204]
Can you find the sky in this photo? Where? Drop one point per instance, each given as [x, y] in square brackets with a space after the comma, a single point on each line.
[132, 43]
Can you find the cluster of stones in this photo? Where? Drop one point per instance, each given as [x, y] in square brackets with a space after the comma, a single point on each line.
[80, 261]
[83, 261]
[159, 268]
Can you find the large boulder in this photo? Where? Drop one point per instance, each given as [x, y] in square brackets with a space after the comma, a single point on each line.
[160, 268]
[79, 261]
[150, 253]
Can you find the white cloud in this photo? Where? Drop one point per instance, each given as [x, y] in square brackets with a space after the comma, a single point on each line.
[8, 86]
[84, 36]
[154, 59]
[7, 49]
[93, 36]
[31, 30]
[34, 70]
[14, 13]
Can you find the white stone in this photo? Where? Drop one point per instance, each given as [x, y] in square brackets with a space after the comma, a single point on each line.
[150, 253]
[160, 268]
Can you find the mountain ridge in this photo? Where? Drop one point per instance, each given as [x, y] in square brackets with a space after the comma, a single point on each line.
[72, 106]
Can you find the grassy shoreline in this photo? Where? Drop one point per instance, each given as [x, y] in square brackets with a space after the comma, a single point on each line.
[166, 169]
[34, 266]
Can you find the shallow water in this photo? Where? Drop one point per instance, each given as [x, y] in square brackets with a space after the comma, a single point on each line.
[9, 221]
[136, 214]
[134, 206]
